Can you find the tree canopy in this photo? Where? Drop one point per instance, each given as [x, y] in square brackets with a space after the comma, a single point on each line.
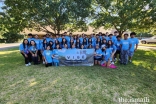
[54, 16]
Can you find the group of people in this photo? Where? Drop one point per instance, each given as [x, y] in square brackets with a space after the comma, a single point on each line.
[108, 47]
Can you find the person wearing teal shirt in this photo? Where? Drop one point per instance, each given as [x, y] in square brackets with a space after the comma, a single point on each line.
[30, 37]
[134, 41]
[38, 44]
[47, 54]
[25, 52]
[125, 47]
[55, 55]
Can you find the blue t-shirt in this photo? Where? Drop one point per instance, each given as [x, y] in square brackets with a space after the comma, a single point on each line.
[134, 41]
[125, 44]
[117, 44]
[107, 54]
[30, 39]
[25, 50]
[33, 49]
[43, 47]
[48, 39]
[55, 53]
[112, 48]
[81, 40]
[67, 38]
[114, 38]
[38, 43]
[99, 52]
[48, 55]
[107, 38]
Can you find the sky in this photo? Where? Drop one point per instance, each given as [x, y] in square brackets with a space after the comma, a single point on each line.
[1, 4]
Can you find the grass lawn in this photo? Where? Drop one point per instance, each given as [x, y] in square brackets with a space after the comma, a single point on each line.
[76, 85]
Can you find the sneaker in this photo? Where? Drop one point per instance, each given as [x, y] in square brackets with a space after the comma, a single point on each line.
[103, 65]
[29, 63]
[26, 64]
[130, 60]
[112, 62]
[112, 66]
[43, 62]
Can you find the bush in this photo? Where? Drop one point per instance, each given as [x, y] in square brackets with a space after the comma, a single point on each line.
[12, 37]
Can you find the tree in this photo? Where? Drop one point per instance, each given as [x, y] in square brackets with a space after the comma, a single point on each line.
[122, 15]
[55, 14]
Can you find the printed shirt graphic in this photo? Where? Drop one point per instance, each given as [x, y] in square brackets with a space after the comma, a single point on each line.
[125, 44]
[48, 55]
[33, 49]
[56, 56]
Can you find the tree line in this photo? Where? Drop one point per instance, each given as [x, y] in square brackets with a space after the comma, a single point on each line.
[54, 16]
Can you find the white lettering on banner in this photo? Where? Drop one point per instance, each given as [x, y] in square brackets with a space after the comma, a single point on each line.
[75, 57]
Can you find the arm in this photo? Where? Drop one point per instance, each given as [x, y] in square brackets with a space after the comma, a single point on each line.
[136, 47]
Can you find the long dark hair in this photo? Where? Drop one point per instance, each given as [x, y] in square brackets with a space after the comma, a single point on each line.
[108, 45]
[44, 45]
[51, 45]
[90, 42]
[71, 43]
[84, 43]
[24, 43]
[77, 44]
[34, 42]
[63, 42]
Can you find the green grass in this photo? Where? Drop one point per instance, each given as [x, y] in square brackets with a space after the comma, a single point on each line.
[75, 85]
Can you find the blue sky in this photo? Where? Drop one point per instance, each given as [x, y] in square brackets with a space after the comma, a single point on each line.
[1, 4]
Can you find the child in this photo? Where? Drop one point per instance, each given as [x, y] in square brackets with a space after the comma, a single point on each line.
[33, 50]
[125, 47]
[47, 54]
[113, 49]
[24, 51]
[97, 55]
[134, 41]
[106, 53]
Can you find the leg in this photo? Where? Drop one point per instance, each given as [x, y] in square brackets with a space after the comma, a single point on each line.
[122, 57]
[26, 58]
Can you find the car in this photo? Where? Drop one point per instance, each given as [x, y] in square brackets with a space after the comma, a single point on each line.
[148, 40]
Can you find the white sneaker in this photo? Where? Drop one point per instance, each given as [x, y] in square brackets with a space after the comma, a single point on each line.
[43, 62]
[29, 63]
[130, 60]
[26, 64]
[112, 62]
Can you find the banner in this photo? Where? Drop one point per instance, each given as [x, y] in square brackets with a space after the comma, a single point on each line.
[76, 57]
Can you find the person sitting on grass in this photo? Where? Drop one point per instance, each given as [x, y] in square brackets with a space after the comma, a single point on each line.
[47, 54]
[33, 50]
[106, 57]
[24, 51]
[97, 55]
[125, 47]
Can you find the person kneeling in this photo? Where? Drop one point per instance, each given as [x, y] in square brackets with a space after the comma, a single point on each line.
[47, 54]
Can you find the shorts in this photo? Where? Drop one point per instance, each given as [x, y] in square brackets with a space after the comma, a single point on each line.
[98, 59]
[130, 53]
